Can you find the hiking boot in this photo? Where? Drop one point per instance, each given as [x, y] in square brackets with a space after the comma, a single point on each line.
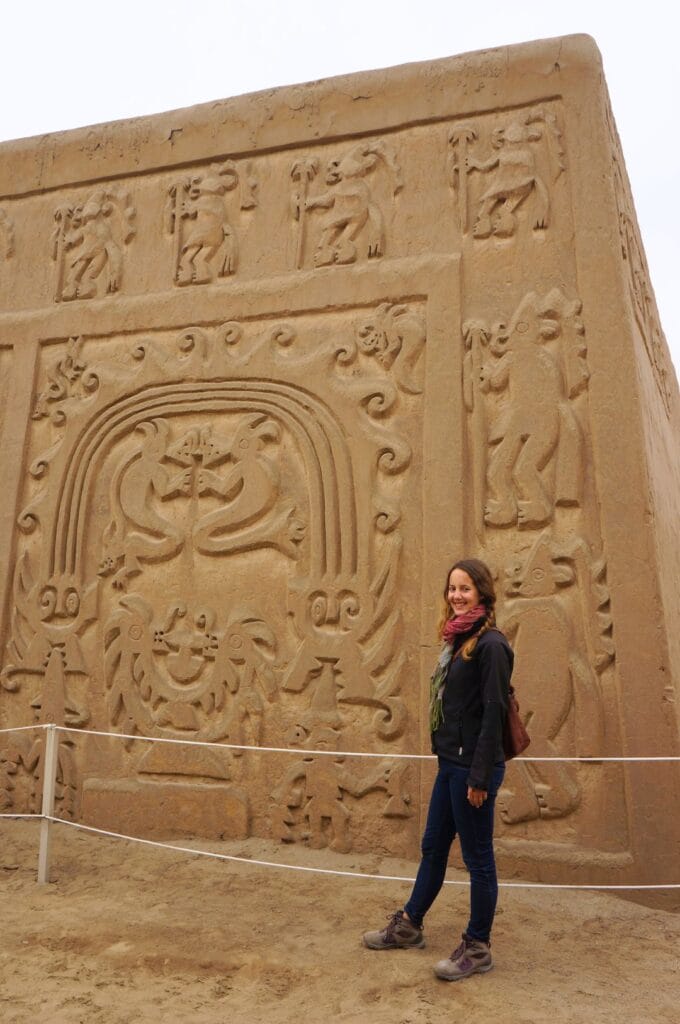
[400, 933]
[471, 957]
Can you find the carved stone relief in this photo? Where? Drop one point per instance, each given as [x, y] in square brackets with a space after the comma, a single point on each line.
[558, 619]
[310, 802]
[6, 236]
[351, 223]
[88, 244]
[638, 278]
[223, 504]
[521, 382]
[68, 378]
[251, 513]
[171, 459]
[206, 244]
[510, 173]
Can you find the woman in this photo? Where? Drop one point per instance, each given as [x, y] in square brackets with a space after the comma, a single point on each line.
[468, 704]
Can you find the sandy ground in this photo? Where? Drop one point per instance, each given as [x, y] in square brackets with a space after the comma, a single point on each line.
[126, 934]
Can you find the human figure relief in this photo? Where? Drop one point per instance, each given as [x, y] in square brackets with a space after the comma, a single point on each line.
[252, 512]
[535, 443]
[137, 529]
[351, 210]
[88, 245]
[309, 800]
[558, 659]
[206, 244]
[515, 176]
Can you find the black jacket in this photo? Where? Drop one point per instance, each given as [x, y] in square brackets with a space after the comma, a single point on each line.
[474, 704]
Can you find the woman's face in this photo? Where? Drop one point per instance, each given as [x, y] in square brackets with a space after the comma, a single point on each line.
[461, 593]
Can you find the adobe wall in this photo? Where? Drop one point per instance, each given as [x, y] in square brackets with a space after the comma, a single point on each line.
[268, 366]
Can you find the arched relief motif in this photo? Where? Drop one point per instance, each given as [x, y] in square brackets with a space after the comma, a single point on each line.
[330, 478]
[558, 619]
[184, 453]
[521, 381]
[235, 468]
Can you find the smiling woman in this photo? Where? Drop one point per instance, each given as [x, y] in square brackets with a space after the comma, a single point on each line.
[468, 705]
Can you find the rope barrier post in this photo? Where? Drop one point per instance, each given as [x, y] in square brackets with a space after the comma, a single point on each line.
[49, 783]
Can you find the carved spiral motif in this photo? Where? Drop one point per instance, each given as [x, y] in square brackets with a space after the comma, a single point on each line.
[380, 400]
[283, 335]
[47, 602]
[394, 458]
[347, 353]
[191, 339]
[27, 521]
[386, 520]
[230, 333]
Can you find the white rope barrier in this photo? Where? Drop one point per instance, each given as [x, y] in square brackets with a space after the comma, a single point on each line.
[331, 871]
[23, 728]
[47, 816]
[331, 753]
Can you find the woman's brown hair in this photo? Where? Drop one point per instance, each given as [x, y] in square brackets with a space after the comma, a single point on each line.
[480, 574]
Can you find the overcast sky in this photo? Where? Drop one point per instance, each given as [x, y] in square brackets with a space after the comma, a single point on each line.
[67, 63]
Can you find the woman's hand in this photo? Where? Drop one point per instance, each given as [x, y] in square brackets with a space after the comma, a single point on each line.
[476, 796]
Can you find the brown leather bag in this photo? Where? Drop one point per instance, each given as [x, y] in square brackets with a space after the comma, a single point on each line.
[515, 736]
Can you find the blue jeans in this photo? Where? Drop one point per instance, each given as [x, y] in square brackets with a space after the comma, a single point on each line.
[451, 813]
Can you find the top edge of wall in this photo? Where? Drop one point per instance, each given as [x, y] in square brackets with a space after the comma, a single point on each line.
[297, 115]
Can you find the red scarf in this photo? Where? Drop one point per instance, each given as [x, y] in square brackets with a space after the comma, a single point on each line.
[462, 623]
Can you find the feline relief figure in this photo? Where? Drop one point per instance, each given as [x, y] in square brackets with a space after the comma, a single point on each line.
[557, 674]
[535, 441]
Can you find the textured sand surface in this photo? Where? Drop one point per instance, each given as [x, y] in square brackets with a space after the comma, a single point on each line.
[127, 934]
